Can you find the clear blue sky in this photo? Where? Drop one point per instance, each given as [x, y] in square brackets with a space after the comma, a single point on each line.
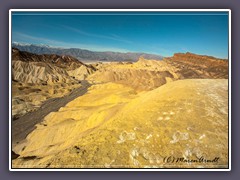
[158, 33]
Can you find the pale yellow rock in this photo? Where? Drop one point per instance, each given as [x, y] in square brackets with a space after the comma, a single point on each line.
[143, 75]
[80, 73]
[39, 73]
[113, 126]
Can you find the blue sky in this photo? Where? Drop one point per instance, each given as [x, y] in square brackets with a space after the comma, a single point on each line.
[149, 32]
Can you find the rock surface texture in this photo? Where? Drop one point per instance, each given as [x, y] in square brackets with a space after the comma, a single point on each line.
[120, 128]
[36, 78]
[148, 114]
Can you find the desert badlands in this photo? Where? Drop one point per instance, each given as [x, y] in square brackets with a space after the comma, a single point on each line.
[170, 113]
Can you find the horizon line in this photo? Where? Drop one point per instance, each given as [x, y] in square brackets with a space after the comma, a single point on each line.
[180, 52]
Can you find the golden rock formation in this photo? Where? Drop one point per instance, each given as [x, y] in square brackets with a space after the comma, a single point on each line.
[148, 114]
[113, 126]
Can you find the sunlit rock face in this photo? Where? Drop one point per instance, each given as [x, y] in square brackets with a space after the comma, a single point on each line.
[148, 114]
[47, 68]
[36, 78]
[199, 66]
[114, 125]
[146, 74]
[143, 75]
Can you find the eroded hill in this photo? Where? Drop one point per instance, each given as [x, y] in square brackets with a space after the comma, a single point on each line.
[199, 66]
[135, 115]
[36, 78]
[150, 74]
[112, 126]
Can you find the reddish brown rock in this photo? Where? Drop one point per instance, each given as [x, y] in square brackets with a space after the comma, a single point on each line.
[199, 66]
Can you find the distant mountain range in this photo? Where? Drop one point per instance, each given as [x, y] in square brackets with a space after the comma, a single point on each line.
[85, 55]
